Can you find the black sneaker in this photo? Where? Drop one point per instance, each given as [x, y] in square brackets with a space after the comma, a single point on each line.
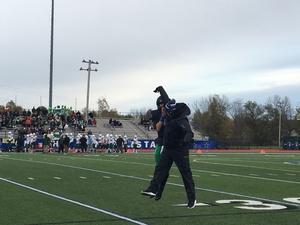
[159, 193]
[148, 192]
[192, 203]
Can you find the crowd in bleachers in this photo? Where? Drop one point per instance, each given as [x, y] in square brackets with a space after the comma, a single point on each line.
[25, 128]
[40, 121]
[114, 123]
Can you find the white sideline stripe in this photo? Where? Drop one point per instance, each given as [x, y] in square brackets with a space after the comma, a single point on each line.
[75, 202]
[251, 175]
[179, 185]
[236, 165]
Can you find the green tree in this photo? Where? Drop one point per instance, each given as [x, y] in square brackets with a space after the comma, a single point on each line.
[236, 112]
[256, 121]
[11, 104]
[210, 118]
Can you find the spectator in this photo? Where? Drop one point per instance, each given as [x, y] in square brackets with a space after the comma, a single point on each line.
[120, 142]
[66, 143]
[19, 143]
[28, 122]
[91, 115]
[83, 144]
[61, 144]
[46, 144]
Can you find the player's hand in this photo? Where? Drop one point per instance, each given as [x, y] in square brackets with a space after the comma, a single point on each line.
[157, 89]
[163, 111]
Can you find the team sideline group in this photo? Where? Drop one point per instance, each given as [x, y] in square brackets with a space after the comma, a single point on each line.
[60, 142]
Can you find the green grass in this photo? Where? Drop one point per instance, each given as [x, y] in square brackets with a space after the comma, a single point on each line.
[105, 189]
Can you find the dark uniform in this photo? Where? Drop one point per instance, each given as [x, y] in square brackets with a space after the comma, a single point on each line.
[177, 137]
[156, 116]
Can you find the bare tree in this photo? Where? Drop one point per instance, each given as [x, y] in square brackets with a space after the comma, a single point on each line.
[236, 112]
[102, 105]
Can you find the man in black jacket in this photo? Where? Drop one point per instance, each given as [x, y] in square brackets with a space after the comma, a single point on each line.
[177, 137]
[158, 124]
[66, 142]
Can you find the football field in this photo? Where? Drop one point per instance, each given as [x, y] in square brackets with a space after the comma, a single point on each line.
[91, 189]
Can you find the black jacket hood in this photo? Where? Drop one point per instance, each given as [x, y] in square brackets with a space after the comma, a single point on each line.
[182, 110]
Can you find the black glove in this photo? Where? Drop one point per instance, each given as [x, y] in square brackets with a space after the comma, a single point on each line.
[157, 89]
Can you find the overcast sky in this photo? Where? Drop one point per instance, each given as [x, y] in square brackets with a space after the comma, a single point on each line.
[243, 49]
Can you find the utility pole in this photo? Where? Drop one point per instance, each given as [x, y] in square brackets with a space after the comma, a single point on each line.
[88, 84]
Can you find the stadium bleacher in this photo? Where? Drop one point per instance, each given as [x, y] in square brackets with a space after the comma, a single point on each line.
[130, 127]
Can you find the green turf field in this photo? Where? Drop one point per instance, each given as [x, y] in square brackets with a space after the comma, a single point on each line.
[103, 188]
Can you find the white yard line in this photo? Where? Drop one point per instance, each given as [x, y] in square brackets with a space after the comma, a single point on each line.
[244, 166]
[252, 175]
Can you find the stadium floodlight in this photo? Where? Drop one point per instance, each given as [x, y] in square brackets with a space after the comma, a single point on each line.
[279, 106]
[88, 84]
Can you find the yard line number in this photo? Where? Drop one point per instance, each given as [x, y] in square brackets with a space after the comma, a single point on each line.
[258, 205]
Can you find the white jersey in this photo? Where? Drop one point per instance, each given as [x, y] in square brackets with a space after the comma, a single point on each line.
[135, 140]
[111, 140]
[10, 137]
[71, 136]
[125, 140]
[27, 140]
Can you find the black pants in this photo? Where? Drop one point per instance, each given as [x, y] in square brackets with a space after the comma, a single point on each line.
[61, 148]
[181, 159]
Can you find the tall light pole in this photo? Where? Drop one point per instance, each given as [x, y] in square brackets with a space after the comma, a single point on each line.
[88, 84]
[279, 105]
[279, 128]
[51, 56]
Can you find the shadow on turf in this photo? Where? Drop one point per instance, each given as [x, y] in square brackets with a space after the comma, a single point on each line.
[166, 217]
